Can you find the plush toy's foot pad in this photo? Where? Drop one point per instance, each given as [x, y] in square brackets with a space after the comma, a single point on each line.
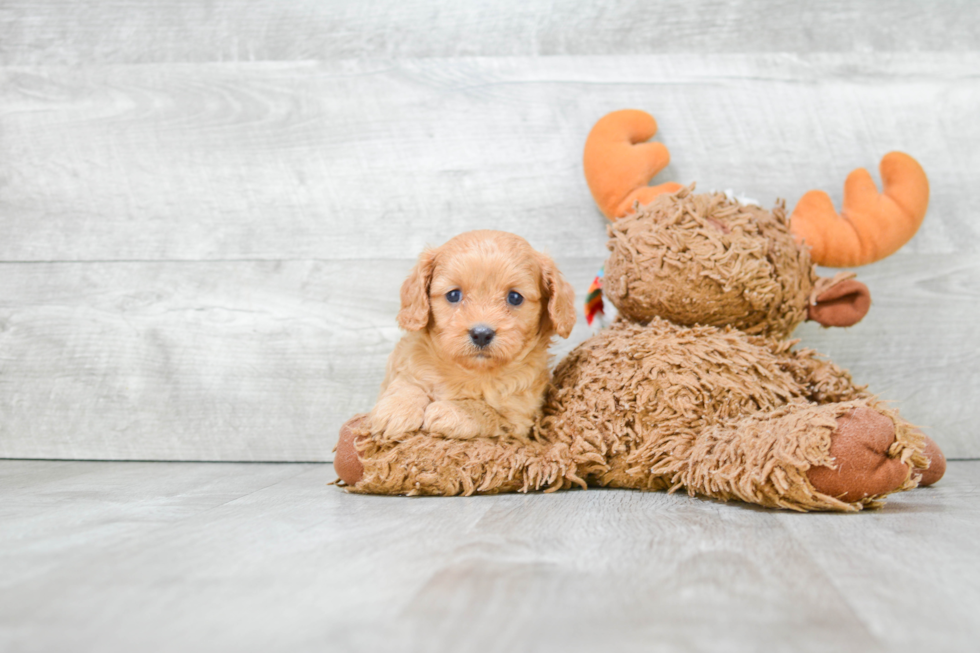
[859, 447]
[937, 463]
[346, 462]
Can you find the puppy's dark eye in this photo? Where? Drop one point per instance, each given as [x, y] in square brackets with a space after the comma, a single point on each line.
[454, 296]
[515, 298]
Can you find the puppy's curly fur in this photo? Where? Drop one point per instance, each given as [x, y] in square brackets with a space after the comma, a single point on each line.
[444, 377]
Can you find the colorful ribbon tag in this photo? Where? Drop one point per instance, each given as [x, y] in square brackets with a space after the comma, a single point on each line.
[593, 300]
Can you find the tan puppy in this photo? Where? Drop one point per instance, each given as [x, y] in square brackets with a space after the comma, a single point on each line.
[481, 311]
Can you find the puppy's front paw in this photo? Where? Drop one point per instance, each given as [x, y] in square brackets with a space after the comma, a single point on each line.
[447, 419]
[393, 417]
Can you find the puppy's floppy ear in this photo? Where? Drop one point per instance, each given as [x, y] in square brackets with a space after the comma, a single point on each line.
[414, 314]
[561, 296]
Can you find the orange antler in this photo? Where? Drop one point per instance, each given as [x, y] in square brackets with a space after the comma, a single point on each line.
[619, 164]
[871, 226]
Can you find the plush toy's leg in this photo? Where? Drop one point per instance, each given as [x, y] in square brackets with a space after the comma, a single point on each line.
[840, 456]
[861, 466]
[829, 383]
[431, 465]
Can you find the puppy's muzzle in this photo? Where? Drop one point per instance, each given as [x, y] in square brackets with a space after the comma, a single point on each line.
[481, 335]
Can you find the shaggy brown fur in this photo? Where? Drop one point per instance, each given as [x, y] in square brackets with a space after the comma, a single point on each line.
[702, 259]
[695, 386]
[710, 410]
[657, 407]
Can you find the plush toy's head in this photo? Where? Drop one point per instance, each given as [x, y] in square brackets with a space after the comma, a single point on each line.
[706, 259]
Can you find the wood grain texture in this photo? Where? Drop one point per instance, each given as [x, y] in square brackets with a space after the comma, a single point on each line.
[191, 361]
[39, 32]
[213, 361]
[181, 556]
[363, 159]
[207, 208]
[265, 360]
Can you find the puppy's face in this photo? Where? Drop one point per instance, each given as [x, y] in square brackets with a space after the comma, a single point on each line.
[486, 298]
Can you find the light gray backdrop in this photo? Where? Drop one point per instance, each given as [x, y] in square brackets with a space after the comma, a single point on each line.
[206, 209]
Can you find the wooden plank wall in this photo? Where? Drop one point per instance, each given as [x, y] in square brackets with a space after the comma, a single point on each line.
[207, 208]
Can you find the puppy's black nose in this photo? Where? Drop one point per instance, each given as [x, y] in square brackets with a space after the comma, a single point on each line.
[481, 335]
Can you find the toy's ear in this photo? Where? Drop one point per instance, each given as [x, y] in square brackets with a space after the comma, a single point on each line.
[841, 305]
[561, 296]
[414, 314]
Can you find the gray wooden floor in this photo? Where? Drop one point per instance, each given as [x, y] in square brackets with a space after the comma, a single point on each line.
[111, 556]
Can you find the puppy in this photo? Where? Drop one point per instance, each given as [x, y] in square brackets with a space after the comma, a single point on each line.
[480, 312]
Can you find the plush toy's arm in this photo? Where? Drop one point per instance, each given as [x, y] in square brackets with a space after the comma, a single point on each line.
[430, 465]
[871, 225]
[619, 163]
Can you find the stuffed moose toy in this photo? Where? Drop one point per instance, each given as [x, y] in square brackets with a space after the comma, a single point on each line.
[696, 385]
